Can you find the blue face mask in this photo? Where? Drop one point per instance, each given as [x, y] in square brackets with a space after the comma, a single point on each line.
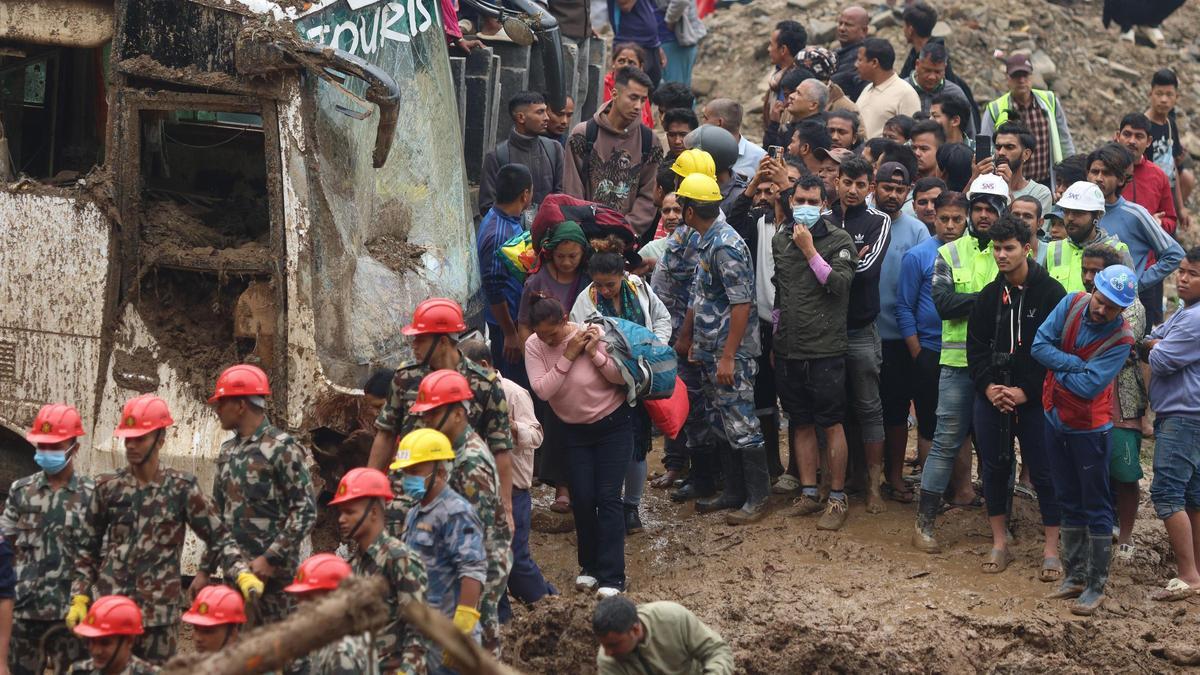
[414, 486]
[51, 461]
[806, 214]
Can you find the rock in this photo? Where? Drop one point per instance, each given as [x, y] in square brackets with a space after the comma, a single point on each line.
[1044, 66]
[703, 86]
[821, 32]
[885, 19]
[942, 30]
[803, 4]
[1124, 72]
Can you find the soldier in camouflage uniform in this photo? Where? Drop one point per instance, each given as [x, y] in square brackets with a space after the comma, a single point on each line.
[721, 338]
[41, 519]
[435, 325]
[445, 531]
[672, 282]
[111, 628]
[360, 500]
[442, 403]
[133, 532]
[352, 654]
[262, 488]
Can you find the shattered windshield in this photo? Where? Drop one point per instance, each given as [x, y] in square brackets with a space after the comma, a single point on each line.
[385, 239]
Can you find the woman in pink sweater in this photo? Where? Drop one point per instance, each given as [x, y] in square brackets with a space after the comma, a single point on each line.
[569, 368]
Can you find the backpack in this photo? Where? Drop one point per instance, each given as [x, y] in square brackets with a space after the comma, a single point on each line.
[518, 255]
[596, 220]
[647, 365]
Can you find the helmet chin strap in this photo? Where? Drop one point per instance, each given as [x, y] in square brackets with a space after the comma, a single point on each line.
[153, 448]
[363, 517]
[120, 643]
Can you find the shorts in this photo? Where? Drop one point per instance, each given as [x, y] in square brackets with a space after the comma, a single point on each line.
[1125, 455]
[897, 383]
[812, 391]
[1176, 484]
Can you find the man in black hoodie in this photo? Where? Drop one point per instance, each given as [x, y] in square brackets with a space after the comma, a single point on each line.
[1008, 387]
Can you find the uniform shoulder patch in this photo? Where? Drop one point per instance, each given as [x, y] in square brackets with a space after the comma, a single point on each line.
[844, 254]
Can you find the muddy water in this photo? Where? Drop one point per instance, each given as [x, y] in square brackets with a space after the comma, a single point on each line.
[792, 599]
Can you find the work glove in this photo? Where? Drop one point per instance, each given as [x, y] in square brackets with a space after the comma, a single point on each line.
[78, 611]
[249, 584]
[466, 618]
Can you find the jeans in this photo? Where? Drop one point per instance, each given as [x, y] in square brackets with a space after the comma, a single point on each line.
[1176, 484]
[600, 453]
[679, 63]
[956, 398]
[863, 361]
[1029, 425]
[525, 580]
[1079, 464]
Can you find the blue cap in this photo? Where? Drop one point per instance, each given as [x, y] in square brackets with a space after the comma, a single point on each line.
[1119, 284]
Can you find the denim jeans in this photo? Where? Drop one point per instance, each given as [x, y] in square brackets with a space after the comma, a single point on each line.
[1029, 425]
[863, 362]
[956, 398]
[512, 371]
[1176, 484]
[525, 580]
[1079, 465]
[600, 453]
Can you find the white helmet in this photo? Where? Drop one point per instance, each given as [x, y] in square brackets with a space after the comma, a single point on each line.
[989, 184]
[1083, 196]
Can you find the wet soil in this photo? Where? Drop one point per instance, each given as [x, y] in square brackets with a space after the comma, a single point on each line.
[792, 599]
[396, 254]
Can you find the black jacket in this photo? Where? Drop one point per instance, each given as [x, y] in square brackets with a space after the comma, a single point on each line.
[871, 228]
[910, 64]
[743, 218]
[846, 76]
[993, 326]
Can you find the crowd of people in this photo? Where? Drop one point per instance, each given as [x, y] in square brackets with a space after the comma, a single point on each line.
[890, 257]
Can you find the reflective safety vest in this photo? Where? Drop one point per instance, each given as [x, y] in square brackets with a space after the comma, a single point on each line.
[1075, 411]
[998, 109]
[1064, 260]
[973, 269]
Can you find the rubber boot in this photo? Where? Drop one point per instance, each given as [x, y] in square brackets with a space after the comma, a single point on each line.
[927, 510]
[734, 494]
[770, 432]
[1099, 553]
[700, 482]
[1073, 541]
[633, 521]
[757, 485]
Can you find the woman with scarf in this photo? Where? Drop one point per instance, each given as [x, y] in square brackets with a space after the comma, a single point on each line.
[617, 293]
[559, 275]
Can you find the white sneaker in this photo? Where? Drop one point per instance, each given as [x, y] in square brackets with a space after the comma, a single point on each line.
[584, 582]
[607, 592]
[1125, 552]
[1156, 35]
[1127, 35]
[785, 485]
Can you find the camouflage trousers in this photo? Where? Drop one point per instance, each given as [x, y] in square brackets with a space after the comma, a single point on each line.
[158, 644]
[489, 606]
[731, 408]
[696, 428]
[62, 648]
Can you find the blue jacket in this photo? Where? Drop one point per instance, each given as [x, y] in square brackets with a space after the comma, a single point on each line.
[1175, 365]
[915, 312]
[1083, 378]
[499, 283]
[639, 26]
[1137, 229]
[907, 233]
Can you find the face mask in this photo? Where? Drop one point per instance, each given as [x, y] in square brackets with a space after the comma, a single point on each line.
[415, 486]
[806, 214]
[51, 461]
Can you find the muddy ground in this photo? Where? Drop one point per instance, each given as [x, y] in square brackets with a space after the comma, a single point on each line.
[791, 599]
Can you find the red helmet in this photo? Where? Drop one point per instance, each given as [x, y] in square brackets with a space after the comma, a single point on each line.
[54, 423]
[436, 316]
[321, 572]
[143, 414]
[241, 380]
[216, 606]
[361, 483]
[111, 615]
[439, 388]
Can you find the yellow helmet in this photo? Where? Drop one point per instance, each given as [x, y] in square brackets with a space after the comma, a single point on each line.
[695, 161]
[420, 446]
[701, 187]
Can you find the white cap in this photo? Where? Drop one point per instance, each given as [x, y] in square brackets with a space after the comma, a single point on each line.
[1082, 196]
[989, 184]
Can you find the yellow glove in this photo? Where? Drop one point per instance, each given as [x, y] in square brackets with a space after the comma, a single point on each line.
[78, 611]
[249, 584]
[466, 618]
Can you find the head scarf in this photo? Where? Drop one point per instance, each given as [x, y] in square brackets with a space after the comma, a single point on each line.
[819, 60]
[567, 230]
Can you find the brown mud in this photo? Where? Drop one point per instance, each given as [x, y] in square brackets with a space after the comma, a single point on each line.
[396, 254]
[791, 599]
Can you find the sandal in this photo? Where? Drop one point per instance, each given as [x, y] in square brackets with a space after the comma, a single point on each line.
[1051, 570]
[904, 496]
[997, 561]
[1177, 589]
[975, 503]
[561, 505]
